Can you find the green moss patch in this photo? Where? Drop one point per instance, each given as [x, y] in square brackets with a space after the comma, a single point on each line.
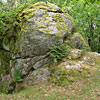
[4, 62]
[65, 77]
[29, 12]
[61, 26]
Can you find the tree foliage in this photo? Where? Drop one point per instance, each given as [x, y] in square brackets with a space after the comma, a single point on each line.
[87, 18]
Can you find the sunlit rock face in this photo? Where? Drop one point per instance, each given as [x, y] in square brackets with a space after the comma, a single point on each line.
[45, 24]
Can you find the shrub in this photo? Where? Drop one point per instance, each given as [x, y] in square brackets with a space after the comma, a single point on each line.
[58, 51]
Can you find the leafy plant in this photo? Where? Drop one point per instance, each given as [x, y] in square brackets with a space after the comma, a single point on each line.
[98, 94]
[17, 75]
[58, 51]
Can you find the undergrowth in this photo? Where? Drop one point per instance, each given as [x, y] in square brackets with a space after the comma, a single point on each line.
[58, 51]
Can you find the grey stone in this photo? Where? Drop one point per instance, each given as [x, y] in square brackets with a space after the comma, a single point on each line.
[75, 54]
[37, 76]
[28, 64]
[38, 43]
[41, 74]
[97, 54]
[77, 66]
[88, 60]
[77, 41]
[68, 66]
[42, 62]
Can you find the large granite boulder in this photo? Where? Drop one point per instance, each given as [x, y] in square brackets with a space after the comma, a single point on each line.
[42, 25]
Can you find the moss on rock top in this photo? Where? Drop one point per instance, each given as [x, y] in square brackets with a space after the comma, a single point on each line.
[47, 18]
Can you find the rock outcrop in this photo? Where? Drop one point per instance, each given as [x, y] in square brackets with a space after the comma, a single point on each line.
[42, 26]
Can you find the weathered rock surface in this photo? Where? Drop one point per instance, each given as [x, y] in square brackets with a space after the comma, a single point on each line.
[37, 76]
[28, 64]
[45, 25]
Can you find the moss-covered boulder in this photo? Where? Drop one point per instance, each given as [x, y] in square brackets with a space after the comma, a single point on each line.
[77, 41]
[42, 25]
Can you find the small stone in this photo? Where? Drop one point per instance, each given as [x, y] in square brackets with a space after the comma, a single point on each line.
[77, 66]
[77, 41]
[75, 54]
[88, 60]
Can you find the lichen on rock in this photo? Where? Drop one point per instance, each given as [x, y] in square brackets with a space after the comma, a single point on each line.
[47, 15]
[40, 26]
